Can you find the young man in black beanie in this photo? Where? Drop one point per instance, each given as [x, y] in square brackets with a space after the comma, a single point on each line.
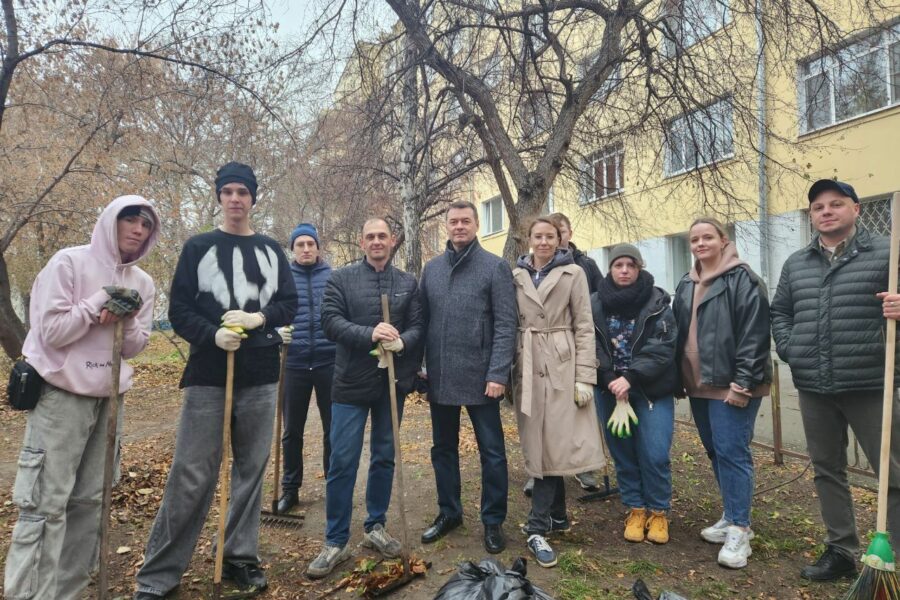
[230, 276]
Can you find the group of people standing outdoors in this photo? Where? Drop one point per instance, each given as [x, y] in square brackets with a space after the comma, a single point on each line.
[580, 354]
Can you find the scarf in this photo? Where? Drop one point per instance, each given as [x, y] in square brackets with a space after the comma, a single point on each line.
[625, 302]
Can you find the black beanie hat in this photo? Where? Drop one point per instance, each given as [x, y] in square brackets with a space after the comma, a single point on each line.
[235, 172]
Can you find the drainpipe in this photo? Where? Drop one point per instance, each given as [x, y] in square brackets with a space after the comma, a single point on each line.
[762, 139]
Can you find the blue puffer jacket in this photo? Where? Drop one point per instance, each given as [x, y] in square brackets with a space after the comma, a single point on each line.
[310, 348]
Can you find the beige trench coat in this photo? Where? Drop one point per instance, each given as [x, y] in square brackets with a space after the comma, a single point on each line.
[555, 349]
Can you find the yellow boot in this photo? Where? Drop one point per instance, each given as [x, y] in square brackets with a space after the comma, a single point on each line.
[658, 527]
[635, 524]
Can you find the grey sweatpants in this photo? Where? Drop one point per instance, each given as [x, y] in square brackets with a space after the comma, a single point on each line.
[192, 482]
[825, 421]
[58, 490]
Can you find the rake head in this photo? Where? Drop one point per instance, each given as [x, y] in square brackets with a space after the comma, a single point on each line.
[282, 521]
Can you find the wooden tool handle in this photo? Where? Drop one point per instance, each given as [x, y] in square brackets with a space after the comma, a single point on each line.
[109, 466]
[279, 407]
[889, 350]
[398, 460]
[225, 474]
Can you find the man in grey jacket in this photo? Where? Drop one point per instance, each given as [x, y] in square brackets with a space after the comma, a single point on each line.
[827, 324]
[469, 303]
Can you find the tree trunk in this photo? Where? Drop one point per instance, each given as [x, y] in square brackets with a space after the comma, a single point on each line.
[12, 332]
[412, 215]
[530, 200]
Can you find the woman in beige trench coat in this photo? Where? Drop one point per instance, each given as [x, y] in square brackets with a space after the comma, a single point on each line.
[555, 373]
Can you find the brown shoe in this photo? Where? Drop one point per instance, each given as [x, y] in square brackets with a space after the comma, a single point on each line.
[635, 524]
[658, 527]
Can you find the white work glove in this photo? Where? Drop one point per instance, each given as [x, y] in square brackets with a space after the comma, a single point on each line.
[619, 423]
[584, 393]
[286, 334]
[229, 339]
[393, 345]
[243, 319]
[379, 352]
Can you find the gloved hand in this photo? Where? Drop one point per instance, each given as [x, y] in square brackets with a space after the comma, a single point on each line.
[286, 334]
[243, 319]
[393, 345]
[619, 423]
[122, 301]
[229, 339]
[584, 393]
[379, 352]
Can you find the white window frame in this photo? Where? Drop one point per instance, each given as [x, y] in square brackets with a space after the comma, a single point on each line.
[702, 23]
[687, 134]
[614, 154]
[884, 45]
[488, 209]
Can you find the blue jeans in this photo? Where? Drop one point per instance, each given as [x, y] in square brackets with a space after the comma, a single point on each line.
[643, 468]
[348, 425]
[726, 432]
[491, 449]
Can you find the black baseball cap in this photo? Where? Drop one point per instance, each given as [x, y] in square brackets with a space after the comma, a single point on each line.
[832, 184]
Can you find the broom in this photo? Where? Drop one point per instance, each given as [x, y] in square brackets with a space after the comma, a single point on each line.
[878, 579]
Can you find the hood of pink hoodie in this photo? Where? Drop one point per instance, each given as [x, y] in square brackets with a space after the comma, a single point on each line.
[105, 239]
[66, 343]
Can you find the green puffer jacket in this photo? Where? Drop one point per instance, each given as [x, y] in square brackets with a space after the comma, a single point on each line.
[827, 322]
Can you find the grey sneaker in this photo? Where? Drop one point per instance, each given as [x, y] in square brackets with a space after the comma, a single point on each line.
[587, 481]
[379, 539]
[717, 532]
[327, 560]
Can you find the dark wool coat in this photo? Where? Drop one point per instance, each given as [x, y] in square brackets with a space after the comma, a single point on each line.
[470, 317]
[826, 321]
[351, 308]
[309, 347]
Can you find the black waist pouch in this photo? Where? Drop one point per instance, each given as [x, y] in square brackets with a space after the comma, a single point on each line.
[24, 387]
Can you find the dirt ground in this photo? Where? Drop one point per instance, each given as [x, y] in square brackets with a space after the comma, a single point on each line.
[595, 563]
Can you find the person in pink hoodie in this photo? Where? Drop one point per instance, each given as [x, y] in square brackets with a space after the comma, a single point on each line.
[59, 482]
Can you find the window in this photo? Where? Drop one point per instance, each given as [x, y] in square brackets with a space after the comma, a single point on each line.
[689, 21]
[612, 81]
[700, 138]
[603, 174]
[535, 115]
[491, 69]
[492, 215]
[857, 80]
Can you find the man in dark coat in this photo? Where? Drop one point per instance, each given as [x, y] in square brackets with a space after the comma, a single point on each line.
[469, 303]
[310, 362]
[827, 324]
[352, 317]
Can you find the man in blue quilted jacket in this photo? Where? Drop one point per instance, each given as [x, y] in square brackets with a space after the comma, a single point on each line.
[310, 362]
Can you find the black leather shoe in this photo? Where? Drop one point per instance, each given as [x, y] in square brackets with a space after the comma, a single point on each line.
[245, 575]
[147, 596]
[494, 540]
[442, 526]
[830, 566]
[287, 501]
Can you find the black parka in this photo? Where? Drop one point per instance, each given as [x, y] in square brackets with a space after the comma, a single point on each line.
[826, 320]
[652, 368]
[351, 308]
[732, 328]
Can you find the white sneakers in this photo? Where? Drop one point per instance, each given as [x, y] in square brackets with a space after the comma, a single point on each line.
[715, 534]
[736, 549]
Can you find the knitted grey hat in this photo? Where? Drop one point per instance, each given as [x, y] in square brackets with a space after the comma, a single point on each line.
[625, 250]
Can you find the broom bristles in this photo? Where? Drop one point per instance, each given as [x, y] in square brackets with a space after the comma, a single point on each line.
[875, 584]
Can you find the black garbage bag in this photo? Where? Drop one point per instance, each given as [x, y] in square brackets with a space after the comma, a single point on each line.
[490, 580]
[641, 592]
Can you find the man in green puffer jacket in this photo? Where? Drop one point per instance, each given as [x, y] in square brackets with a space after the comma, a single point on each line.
[828, 326]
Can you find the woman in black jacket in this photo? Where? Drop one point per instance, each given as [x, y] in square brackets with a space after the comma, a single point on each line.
[723, 354]
[636, 379]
